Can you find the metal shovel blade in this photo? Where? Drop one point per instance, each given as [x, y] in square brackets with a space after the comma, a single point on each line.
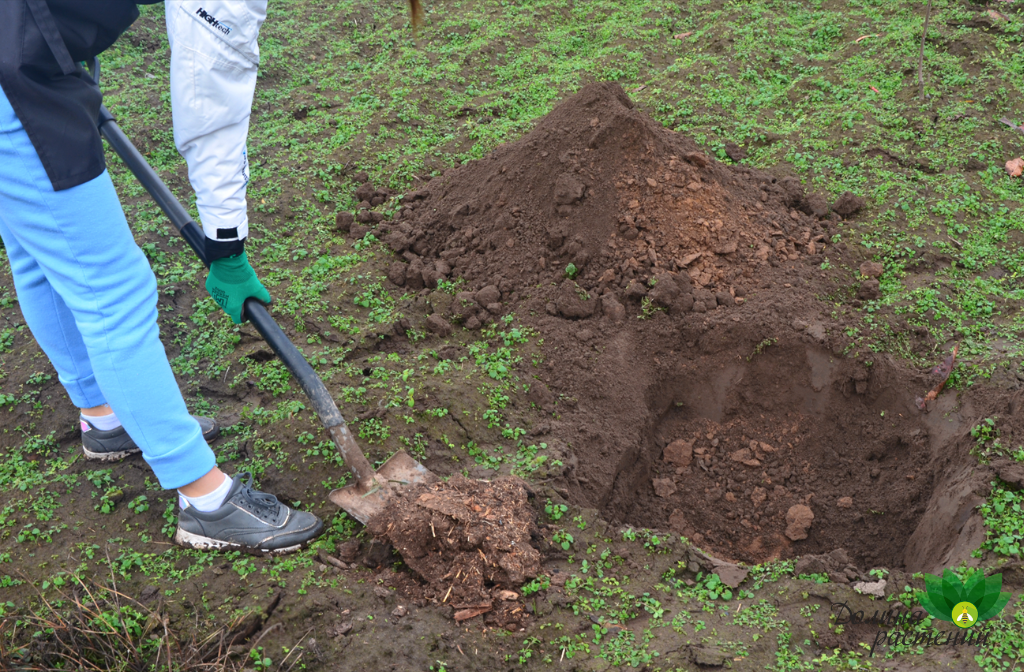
[399, 471]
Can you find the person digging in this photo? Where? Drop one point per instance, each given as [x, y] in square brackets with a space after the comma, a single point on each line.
[85, 288]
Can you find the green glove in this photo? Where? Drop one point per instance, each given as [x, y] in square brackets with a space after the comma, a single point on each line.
[231, 282]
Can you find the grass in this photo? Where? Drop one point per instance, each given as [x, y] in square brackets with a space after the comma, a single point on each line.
[350, 88]
[97, 627]
[792, 83]
[344, 87]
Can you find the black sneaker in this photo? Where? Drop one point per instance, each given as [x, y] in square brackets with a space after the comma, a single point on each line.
[248, 520]
[116, 444]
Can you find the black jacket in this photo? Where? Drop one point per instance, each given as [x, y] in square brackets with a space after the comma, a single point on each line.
[42, 45]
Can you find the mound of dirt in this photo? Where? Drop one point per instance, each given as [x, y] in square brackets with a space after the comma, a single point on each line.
[729, 411]
[469, 541]
[602, 194]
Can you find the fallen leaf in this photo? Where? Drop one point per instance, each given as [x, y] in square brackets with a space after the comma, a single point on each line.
[864, 37]
[507, 594]
[1015, 167]
[943, 370]
[640, 88]
[682, 35]
[996, 15]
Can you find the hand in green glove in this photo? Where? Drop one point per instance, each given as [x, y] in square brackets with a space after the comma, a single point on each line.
[231, 282]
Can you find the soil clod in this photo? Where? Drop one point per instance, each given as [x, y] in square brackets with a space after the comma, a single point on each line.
[871, 269]
[467, 541]
[848, 204]
[798, 521]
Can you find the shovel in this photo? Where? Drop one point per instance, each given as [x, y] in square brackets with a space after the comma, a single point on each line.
[370, 492]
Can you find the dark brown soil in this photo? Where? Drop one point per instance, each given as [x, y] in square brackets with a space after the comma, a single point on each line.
[603, 187]
[469, 541]
[733, 357]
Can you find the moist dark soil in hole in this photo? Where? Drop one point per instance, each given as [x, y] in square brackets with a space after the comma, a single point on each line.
[789, 458]
[469, 543]
[693, 374]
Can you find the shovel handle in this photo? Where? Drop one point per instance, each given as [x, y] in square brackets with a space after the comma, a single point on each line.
[315, 389]
[255, 311]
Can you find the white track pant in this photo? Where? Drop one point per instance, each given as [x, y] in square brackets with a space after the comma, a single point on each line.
[214, 56]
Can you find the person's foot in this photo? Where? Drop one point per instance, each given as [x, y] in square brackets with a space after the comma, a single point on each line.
[116, 444]
[248, 520]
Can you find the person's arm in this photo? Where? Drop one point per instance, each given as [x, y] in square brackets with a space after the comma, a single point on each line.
[214, 57]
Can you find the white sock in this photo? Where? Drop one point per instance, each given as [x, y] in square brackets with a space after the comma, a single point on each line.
[209, 502]
[104, 423]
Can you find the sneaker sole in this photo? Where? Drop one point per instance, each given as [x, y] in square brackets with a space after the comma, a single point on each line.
[201, 543]
[108, 457]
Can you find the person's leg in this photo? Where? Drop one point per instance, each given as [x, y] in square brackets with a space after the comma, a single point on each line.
[76, 244]
[47, 315]
[51, 322]
[89, 297]
[57, 334]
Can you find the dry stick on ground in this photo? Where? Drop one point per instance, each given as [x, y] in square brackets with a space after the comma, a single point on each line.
[920, 61]
[292, 650]
[1019, 129]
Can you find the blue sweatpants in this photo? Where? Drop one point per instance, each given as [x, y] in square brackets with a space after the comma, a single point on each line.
[89, 297]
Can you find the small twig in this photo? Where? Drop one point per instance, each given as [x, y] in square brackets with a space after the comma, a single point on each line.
[329, 560]
[1019, 129]
[293, 650]
[113, 579]
[267, 631]
[920, 62]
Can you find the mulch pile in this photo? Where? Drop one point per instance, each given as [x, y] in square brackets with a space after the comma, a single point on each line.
[469, 542]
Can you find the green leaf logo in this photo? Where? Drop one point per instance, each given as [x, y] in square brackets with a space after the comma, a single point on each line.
[945, 596]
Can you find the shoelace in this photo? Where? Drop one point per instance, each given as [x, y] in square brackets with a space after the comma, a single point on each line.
[256, 501]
